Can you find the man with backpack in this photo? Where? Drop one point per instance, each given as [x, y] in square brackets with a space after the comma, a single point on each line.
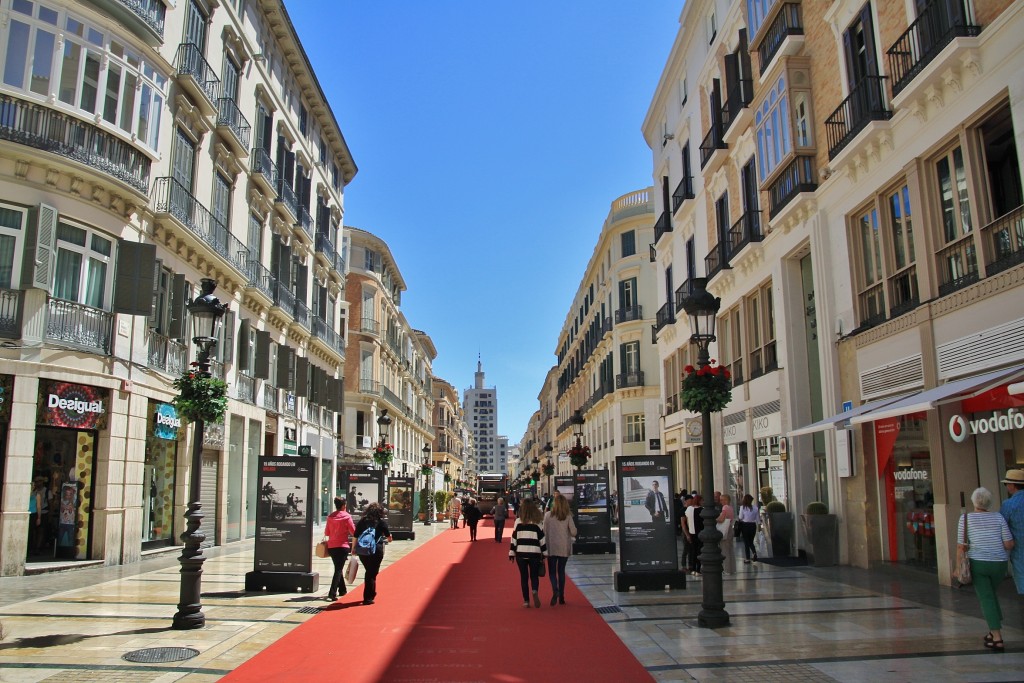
[371, 534]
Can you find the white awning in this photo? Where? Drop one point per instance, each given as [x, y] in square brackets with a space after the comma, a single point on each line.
[956, 390]
[830, 422]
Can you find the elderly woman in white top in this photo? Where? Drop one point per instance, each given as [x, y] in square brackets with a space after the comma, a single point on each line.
[988, 541]
[560, 530]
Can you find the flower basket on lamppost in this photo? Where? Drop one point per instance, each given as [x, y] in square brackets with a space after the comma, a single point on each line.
[383, 452]
[201, 399]
[707, 389]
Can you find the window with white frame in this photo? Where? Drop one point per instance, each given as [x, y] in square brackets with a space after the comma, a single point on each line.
[730, 343]
[11, 221]
[771, 121]
[628, 243]
[83, 273]
[50, 53]
[683, 91]
[712, 27]
[633, 428]
[761, 331]
[757, 12]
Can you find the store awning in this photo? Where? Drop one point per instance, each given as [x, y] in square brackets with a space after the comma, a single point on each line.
[950, 392]
[831, 422]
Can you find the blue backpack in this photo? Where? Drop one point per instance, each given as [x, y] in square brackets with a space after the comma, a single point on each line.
[366, 544]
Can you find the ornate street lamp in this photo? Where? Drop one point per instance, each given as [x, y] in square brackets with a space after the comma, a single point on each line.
[383, 453]
[428, 474]
[206, 312]
[702, 308]
[549, 468]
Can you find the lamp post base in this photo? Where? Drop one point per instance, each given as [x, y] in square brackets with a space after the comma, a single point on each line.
[190, 608]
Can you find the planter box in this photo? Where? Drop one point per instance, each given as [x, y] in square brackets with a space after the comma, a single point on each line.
[781, 528]
[822, 534]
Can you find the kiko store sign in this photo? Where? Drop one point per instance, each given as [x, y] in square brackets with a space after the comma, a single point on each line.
[75, 406]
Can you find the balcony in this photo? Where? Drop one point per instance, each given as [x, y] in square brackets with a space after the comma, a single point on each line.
[325, 249]
[260, 278]
[788, 24]
[287, 201]
[746, 230]
[712, 142]
[11, 305]
[369, 326]
[270, 397]
[79, 325]
[305, 221]
[735, 114]
[871, 306]
[196, 76]
[930, 33]
[662, 226]
[606, 326]
[666, 315]
[233, 127]
[625, 380]
[339, 265]
[1004, 240]
[166, 354]
[217, 370]
[958, 265]
[264, 170]
[284, 298]
[48, 130]
[798, 176]
[170, 198]
[903, 293]
[145, 18]
[865, 103]
[684, 290]
[245, 388]
[684, 191]
[625, 315]
[331, 339]
[301, 313]
[369, 386]
[717, 260]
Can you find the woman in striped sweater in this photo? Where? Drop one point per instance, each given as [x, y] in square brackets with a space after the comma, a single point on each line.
[528, 550]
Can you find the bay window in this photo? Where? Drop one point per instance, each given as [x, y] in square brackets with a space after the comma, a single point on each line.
[11, 220]
[761, 331]
[783, 120]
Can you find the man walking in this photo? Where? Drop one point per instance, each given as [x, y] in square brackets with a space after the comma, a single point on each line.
[1013, 510]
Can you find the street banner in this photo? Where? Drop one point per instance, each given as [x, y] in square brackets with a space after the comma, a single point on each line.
[284, 516]
[647, 538]
[593, 521]
[400, 491]
[362, 487]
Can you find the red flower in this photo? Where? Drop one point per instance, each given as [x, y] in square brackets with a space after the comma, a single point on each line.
[688, 368]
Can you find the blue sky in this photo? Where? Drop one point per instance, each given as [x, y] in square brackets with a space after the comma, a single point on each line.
[491, 139]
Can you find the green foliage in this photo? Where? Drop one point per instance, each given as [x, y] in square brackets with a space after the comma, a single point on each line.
[200, 398]
[425, 470]
[548, 469]
[440, 500]
[383, 453]
[775, 506]
[579, 455]
[706, 389]
[424, 497]
[767, 495]
[816, 508]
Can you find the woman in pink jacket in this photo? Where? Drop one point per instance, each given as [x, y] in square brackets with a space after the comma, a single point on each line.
[337, 534]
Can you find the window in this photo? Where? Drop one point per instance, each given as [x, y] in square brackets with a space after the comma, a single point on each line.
[730, 343]
[11, 220]
[222, 200]
[761, 330]
[627, 294]
[630, 357]
[683, 91]
[255, 242]
[757, 12]
[628, 243]
[712, 27]
[633, 430]
[772, 123]
[83, 273]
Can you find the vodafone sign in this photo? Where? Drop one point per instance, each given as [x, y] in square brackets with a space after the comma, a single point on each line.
[960, 428]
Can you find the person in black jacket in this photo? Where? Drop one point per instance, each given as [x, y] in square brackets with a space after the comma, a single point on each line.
[372, 517]
[471, 513]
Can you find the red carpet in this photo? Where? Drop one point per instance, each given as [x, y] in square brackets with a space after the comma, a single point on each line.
[451, 610]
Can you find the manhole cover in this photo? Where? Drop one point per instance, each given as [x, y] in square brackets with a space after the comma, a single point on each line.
[309, 610]
[612, 609]
[155, 655]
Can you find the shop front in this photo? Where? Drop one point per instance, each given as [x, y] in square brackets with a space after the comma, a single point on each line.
[158, 476]
[63, 466]
[905, 475]
[734, 437]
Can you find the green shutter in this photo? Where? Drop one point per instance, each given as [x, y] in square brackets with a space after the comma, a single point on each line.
[301, 376]
[228, 343]
[177, 328]
[261, 367]
[133, 278]
[40, 248]
[285, 356]
[244, 350]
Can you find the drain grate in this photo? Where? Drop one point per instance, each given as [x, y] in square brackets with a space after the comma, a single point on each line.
[309, 610]
[611, 609]
[156, 655]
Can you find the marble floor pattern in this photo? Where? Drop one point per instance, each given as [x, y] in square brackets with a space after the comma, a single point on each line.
[786, 624]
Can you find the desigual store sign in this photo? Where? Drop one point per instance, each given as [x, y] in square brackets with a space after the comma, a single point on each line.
[74, 406]
[960, 428]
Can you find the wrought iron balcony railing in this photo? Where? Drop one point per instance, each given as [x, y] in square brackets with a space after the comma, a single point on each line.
[286, 197]
[261, 164]
[871, 305]
[151, 12]
[11, 305]
[301, 313]
[166, 354]
[230, 116]
[190, 62]
[325, 247]
[738, 98]
[662, 225]
[958, 265]
[369, 326]
[629, 379]
[865, 103]
[684, 191]
[305, 221]
[284, 298]
[49, 130]
[788, 22]
[260, 277]
[245, 388]
[712, 141]
[79, 325]
[1005, 238]
[627, 314]
[717, 259]
[903, 292]
[172, 198]
[744, 231]
[270, 397]
[666, 315]
[935, 27]
[797, 177]
[684, 290]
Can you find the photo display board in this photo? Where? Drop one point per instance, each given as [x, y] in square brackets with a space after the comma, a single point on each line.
[647, 537]
[399, 505]
[361, 488]
[593, 520]
[284, 516]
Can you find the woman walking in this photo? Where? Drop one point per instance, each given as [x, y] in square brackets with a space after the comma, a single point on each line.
[987, 539]
[471, 513]
[500, 515]
[559, 532]
[528, 549]
[748, 527]
[337, 533]
[724, 524]
[694, 525]
[373, 518]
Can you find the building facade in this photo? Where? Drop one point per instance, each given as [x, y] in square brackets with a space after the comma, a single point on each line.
[480, 403]
[449, 448]
[144, 147]
[856, 165]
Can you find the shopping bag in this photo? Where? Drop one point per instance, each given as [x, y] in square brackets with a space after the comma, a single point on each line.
[962, 570]
[321, 549]
[351, 568]
[761, 544]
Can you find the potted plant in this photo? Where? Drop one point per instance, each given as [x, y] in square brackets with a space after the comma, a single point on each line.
[780, 528]
[200, 397]
[440, 500]
[424, 495]
[821, 529]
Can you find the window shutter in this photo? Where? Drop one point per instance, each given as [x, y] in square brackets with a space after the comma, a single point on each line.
[40, 248]
[133, 279]
[285, 356]
[314, 385]
[228, 346]
[176, 328]
[244, 352]
[154, 304]
[261, 367]
[301, 376]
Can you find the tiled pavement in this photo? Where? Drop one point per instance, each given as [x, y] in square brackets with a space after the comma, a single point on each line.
[787, 624]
